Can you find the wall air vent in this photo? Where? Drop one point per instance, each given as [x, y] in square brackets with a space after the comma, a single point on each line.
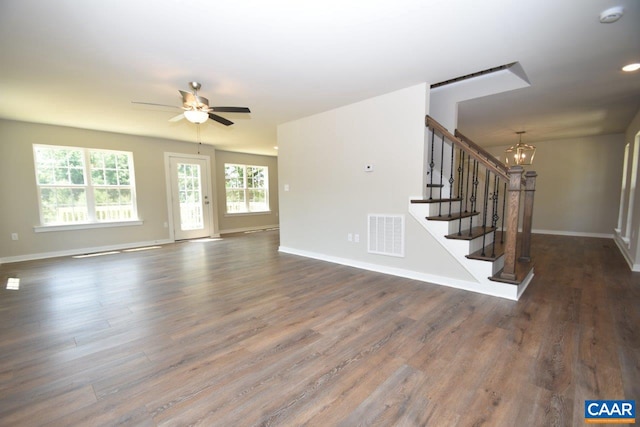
[472, 75]
[386, 234]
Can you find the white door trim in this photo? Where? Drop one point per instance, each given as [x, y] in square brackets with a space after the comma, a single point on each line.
[206, 177]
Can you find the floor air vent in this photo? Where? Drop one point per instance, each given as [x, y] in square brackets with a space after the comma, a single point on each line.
[386, 234]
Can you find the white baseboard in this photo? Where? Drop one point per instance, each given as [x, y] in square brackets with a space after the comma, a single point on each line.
[496, 289]
[573, 233]
[624, 249]
[244, 229]
[82, 251]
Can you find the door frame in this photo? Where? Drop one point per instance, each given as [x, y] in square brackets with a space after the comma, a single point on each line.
[206, 177]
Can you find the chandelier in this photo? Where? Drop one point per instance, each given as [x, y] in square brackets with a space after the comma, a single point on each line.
[520, 154]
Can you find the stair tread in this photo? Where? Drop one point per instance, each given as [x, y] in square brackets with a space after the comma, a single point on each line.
[453, 216]
[435, 200]
[490, 253]
[523, 268]
[470, 234]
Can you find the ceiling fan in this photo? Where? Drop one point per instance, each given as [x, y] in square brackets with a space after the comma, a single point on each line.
[196, 108]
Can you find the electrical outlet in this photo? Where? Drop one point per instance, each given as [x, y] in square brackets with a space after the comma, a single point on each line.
[356, 238]
[350, 237]
[14, 236]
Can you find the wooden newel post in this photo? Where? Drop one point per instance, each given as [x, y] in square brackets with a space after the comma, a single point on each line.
[513, 208]
[527, 218]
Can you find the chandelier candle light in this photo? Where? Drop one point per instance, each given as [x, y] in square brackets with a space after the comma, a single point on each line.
[520, 154]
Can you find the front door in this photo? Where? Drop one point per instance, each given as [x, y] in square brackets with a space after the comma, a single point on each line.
[190, 197]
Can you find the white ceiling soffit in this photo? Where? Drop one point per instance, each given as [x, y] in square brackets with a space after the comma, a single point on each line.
[81, 63]
[444, 99]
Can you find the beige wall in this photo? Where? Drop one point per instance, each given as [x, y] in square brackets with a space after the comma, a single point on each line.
[578, 184]
[322, 160]
[19, 208]
[242, 222]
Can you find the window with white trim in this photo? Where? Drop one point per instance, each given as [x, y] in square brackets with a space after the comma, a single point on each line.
[83, 186]
[246, 188]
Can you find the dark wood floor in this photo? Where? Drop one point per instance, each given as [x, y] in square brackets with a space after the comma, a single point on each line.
[233, 333]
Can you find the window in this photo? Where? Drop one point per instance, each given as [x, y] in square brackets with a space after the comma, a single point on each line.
[247, 188]
[81, 185]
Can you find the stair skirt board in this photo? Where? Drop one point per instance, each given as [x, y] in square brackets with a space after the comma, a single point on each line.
[479, 269]
[496, 289]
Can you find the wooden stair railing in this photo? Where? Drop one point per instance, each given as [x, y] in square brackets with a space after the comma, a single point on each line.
[475, 164]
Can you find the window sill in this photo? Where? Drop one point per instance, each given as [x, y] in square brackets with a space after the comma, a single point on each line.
[248, 213]
[85, 226]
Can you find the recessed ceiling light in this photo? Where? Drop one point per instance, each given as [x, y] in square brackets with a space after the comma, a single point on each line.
[611, 15]
[631, 67]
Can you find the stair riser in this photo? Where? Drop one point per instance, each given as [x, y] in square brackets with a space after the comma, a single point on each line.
[437, 192]
[434, 210]
[455, 208]
[476, 244]
[454, 226]
[498, 265]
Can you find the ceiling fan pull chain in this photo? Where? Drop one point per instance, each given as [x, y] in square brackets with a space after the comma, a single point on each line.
[199, 140]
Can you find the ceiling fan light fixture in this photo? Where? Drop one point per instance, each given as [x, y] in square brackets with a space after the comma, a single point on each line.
[196, 116]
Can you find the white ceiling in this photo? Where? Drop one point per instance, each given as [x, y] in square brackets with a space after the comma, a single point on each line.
[81, 63]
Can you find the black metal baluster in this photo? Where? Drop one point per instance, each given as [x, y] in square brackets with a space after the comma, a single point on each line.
[485, 210]
[475, 187]
[466, 196]
[460, 174]
[441, 174]
[474, 194]
[461, 187]
[431, 165]
[494, 212]
[504, 207]
[451, 180]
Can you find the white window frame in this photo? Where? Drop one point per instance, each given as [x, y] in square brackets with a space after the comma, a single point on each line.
[89, 187]
[246, 190]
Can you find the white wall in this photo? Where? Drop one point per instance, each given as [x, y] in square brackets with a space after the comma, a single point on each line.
[444, 99]
[578, 184]
[628, 237]
[322, 159]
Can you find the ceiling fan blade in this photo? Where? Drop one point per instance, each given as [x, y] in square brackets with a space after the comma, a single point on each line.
[152, 103]
[177, 118]
[231, 109]
[195, 101]
[187, 97]
[219, 119]
[202, 101]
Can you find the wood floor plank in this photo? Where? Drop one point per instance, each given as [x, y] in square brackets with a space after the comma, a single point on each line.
[396, 402]
[233, 333]
[44, 410]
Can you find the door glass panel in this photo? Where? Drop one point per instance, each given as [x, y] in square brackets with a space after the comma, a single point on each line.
[190, 195]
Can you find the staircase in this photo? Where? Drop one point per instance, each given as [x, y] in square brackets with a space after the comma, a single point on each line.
[472, 205]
